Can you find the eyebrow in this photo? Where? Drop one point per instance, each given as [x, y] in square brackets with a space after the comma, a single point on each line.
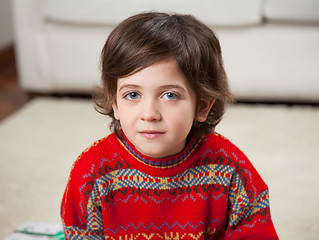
[164, 87]
[167, 87]
[129, 86]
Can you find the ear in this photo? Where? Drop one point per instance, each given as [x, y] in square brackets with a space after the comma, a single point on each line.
[116, 111]
[204, 107]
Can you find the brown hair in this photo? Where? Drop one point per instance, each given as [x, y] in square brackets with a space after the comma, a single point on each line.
[146, 38]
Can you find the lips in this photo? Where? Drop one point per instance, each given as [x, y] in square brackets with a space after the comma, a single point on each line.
[149, 134]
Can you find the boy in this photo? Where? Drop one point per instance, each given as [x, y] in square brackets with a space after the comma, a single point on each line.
[164, 173]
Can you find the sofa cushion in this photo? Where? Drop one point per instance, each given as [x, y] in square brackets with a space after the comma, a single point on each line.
[298, 10]
[212, 12]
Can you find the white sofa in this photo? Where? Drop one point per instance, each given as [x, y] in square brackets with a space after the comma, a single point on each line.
[270, 47]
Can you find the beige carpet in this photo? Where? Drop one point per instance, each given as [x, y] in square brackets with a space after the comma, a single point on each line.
[40, 142]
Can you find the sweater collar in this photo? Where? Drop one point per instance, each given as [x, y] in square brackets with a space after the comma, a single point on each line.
[166, 162]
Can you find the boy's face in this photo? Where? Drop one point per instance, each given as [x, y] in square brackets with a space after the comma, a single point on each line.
[156, 108]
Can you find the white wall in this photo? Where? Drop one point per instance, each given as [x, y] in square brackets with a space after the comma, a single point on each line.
[6, 31]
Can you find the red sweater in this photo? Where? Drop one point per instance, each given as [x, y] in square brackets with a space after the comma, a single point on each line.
[208, 191]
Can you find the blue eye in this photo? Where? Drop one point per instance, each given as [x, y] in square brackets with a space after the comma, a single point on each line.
[132, 96]
[170, 96]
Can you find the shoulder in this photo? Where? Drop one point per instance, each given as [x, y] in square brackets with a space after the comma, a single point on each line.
[80, 184]
[95, 151]
[219, 141]
[90, 165]
[225, 153]
[219, 145]
[92, 158]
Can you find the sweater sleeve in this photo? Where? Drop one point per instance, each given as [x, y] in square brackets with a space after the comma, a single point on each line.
[80, 208]
[249, 213]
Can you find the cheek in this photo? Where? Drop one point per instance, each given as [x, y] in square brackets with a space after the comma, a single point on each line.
[127, 118]
[182, 117]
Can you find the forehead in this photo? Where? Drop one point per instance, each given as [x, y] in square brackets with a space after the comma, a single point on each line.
[157, 75]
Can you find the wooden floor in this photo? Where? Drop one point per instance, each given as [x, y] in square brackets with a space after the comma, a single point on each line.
[12, 97]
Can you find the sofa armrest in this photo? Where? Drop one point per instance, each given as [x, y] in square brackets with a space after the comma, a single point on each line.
[33, 67]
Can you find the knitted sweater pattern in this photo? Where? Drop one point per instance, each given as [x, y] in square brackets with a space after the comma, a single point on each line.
[208, 191]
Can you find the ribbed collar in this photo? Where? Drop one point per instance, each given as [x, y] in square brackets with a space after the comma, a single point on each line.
[167, 162]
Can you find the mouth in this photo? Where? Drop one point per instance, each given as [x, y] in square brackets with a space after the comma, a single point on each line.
[151, 134]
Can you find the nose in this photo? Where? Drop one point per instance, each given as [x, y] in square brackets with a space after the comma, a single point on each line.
[150, 112]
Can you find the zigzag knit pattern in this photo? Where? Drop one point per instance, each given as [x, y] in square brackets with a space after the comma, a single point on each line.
[208, 191]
